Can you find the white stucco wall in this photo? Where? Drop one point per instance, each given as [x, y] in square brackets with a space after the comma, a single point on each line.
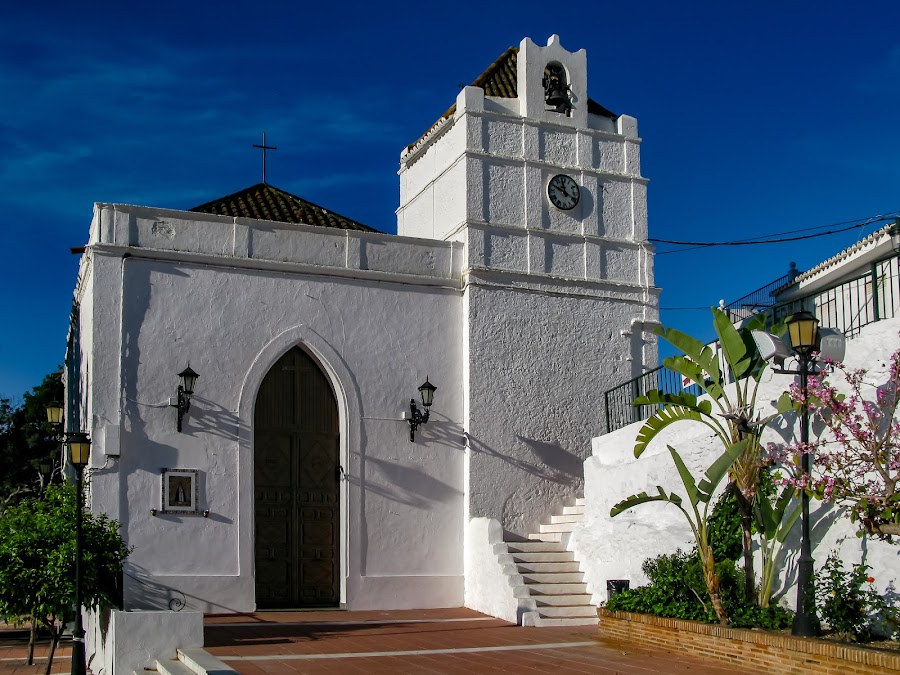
[376, 335]
[615, 548]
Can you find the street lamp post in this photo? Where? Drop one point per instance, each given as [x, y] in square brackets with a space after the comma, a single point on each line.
[803, 329]
[80, 450]
[79, 454]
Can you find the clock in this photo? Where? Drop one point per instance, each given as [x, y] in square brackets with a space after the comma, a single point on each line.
[563, 192]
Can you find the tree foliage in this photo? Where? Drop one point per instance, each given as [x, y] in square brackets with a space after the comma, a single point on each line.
[26, 438]
[37, 558]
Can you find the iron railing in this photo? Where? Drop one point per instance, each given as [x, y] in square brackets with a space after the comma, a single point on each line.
[760, 300]
[847, 306]
[621, 412]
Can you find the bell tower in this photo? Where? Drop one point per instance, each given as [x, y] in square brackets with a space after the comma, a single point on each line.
[543, 186]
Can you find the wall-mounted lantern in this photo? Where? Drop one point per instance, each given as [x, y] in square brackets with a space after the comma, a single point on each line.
[185, 391]
[417, 417]
[895, 236]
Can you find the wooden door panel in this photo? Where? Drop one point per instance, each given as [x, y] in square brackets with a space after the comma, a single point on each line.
[297, 499]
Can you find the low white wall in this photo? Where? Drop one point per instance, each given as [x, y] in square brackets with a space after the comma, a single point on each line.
[493, 584]
[615, 548]
[132, 641]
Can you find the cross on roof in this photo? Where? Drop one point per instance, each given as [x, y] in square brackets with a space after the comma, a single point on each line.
[264, 147]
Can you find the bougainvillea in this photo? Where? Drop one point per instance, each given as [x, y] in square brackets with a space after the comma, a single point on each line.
[857, 458]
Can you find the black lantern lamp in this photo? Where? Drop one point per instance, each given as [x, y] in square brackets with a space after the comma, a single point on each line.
[417, 417]
[185, 391]
[79, 449]
[804, 331]
[55, 412]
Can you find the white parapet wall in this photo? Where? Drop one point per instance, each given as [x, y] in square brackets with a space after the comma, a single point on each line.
[615, 548]
[131, 642]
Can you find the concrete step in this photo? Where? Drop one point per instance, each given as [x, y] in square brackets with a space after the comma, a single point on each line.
[535, 547]
[579, 501]
[544, 601]
[548, 567]
[569, 611]
[546, 536]
[566, 518]
[556, 527]
[172, 667]
[573, 510]
[557, 589]
[552, 577]
[578, 621]
[542, 557]
[203, 663]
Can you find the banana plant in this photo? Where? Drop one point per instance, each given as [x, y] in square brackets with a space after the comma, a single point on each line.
[773, 528]
[697, 494]
[729, 413]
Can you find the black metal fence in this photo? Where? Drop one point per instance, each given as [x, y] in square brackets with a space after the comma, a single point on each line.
[847, 306]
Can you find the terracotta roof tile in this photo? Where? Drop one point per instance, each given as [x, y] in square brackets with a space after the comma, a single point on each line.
[265, 202]
[501, 80]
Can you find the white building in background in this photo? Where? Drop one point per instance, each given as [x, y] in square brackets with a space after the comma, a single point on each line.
[519, 284]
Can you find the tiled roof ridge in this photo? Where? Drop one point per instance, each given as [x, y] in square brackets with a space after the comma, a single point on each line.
[500, 80]
[266, 202]
[843, 255]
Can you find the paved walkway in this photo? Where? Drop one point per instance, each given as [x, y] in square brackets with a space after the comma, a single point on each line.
[455, 641]
[14, 653]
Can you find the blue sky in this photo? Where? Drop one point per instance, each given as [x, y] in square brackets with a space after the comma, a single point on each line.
[757, 118]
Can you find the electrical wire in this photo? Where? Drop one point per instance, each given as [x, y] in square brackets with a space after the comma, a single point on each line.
[761, 240]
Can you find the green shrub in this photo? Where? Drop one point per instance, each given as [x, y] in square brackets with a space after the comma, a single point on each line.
[848, 602]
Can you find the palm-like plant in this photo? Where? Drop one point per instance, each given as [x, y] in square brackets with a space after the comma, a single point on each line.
[727, 411]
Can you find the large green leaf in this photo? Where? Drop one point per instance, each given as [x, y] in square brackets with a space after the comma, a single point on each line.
[644, 498]
[696, 351]
[684, 399]
[690, 485]
[698, 374]
[719, 469]
[733, 346]
[660, 420]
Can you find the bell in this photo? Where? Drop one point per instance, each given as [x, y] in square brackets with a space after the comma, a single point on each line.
[557, 99]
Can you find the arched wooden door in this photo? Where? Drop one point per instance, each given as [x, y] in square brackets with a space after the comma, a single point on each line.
[296, 478]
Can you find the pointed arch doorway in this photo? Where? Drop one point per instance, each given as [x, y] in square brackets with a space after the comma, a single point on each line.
[296, 487]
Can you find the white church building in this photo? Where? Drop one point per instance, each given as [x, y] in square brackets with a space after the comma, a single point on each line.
[519, 285]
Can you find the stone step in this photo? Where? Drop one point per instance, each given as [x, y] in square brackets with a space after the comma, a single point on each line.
[203, 663]
[546, 536]
[577, 621]
[544, 601]
[548, 567]
[573, 510]
[566, 518]
[579, 501]
[569, 611]
[557, 589]
[553, 577]
[172, 667]
[543, 557]
[556, 527]
[535, 547]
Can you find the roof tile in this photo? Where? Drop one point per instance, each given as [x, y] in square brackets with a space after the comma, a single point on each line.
[265, 202]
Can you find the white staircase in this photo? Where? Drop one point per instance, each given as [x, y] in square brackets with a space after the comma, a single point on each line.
[193, 661]
[551, 574]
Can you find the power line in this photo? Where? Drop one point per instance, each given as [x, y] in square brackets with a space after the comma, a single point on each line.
[760, 240]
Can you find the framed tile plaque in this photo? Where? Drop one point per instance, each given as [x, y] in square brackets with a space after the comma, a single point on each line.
[180, 490]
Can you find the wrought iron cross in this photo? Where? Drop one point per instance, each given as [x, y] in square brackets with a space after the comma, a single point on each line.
[264, 147]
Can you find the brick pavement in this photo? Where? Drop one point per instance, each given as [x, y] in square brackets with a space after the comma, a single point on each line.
[14, 653]
[455, 641]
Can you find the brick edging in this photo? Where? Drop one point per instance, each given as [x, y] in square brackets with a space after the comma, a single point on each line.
[775, 652]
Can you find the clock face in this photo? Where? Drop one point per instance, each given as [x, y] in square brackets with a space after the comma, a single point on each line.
[563, 191]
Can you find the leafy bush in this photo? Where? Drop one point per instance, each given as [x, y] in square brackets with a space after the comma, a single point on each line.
[849, 603]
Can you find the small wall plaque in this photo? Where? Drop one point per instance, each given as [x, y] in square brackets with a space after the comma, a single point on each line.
[180, 490]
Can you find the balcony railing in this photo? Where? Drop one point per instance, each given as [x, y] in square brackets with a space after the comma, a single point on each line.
[847, 306]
